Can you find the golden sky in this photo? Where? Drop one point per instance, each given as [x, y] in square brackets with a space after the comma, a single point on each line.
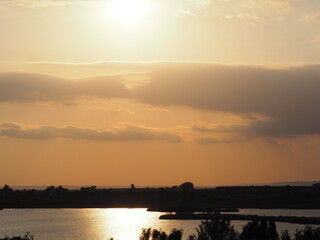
[114, 92]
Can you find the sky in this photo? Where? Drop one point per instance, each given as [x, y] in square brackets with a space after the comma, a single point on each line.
[159, 92]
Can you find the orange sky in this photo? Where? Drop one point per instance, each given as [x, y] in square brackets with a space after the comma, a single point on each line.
[109, 92]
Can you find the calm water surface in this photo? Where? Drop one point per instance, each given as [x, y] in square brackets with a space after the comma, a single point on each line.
[120, 223]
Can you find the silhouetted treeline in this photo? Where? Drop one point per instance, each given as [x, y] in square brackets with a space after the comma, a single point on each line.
[221, 229]
[164, 199]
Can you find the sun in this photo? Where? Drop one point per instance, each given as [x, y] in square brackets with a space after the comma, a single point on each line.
[128, 11]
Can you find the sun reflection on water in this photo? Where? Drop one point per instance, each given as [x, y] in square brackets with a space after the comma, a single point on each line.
[122, 223]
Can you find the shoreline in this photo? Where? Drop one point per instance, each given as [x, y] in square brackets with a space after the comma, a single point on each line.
[145, 207]
[288, 219]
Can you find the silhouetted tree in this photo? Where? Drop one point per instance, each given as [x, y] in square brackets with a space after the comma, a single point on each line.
[163, 236]
[61, 189]
[285, 235]
[145, 234]
[50, 189]
[308, 233]
[88, 189]
[148, 233]
[27, 236]
[216, 229]
[175, 234]
[7, 189]
[220, 229]
[272, 231]
[187, 186]
[155, 234]
[262, 230]
[316, 185]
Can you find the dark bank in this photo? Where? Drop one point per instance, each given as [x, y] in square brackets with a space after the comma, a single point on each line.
[167, 199]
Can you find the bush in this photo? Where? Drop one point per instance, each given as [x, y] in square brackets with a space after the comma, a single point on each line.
[308, 233]
[155, 234]
[262, 230]
[220, 229]
[217, 229]
[27, 236]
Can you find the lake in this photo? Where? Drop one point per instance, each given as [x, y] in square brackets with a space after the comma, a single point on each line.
[119, 223]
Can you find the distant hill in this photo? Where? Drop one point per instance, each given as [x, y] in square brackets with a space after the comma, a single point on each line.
[275, 184]
[296, 183]
[70, 187]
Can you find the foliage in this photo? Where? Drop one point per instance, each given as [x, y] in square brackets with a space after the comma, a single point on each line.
[285, 235]
[308, 233]
[175, 234]
[218, 229]
[149, 234]
[27, 236]
[221, 229]
[262, 230]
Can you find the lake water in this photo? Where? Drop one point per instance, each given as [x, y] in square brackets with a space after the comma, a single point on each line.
[119, 223]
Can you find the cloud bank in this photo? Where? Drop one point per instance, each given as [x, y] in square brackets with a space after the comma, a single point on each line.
[313, 17]
[219, 128]
[35, 87]
[289, 98]
[124, 133]
[43, 3]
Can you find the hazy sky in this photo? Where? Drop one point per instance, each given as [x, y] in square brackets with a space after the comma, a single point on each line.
[158, 92]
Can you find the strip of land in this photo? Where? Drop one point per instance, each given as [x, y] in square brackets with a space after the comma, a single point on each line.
[190, 209]
[288, 219]
[170, 199]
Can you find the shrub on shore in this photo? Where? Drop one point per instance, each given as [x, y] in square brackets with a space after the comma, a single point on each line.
[220, 229]
[27, 236]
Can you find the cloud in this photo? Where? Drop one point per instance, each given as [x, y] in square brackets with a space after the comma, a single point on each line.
[219, 128]
[126, 132]
[279, 6]
[43, 3]
[35, 87]
[251, 17]
[243, 16]
[250, 10]
[312, 18]
[316, 41]
[16, 131]
[217, 140]
[287, 99]
[68, 2]
[184, 13]
[202, 2]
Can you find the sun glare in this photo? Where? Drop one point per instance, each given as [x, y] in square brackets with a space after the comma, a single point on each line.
[128, 11]
[122, 223]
